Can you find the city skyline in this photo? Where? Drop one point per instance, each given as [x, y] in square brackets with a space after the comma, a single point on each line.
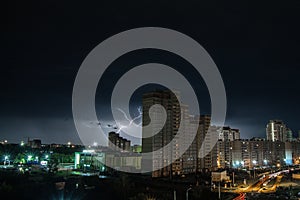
[288, 136]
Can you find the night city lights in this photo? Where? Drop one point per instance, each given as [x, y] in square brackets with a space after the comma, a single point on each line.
[150, 100]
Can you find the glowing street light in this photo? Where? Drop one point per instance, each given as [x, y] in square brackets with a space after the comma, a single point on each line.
[254, 162]
[95, 144]
[29, 157]
[6, 160]
[278, 165]
[242, 163]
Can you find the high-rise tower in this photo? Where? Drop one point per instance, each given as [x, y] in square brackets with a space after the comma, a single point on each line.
[276, 130]
[162, 155]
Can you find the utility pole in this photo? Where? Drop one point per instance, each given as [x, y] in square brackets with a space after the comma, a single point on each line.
[219, 190]
[174, 193]
[187, 193]
[211, 183]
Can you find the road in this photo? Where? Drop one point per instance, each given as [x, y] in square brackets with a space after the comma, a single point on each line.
[273, 188]
[240, 197]
[258, 185]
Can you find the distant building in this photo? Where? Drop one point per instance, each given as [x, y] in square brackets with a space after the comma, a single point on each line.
[106, 161]
[118, 143]
[240, 150]
[189, 157]
[257, 139]
[289, 135]
[226, 135]
[229, 134]
[219, 176]
[53, 145]
[276, 130]
[35, 143]
[210, 159]
[252, 153]
[205, 149]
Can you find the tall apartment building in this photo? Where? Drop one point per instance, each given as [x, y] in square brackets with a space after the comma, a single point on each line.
[206, 152]
[162, 155]
[229, 134]
[240, 153]
[276, 130]
[277, 152]
[226, 135]
[203, 126]
[289, 135]
[189, 158]
[210, 159]
[256, 152]
[195, 127]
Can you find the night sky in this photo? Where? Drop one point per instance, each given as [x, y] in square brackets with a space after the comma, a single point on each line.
[255, 46]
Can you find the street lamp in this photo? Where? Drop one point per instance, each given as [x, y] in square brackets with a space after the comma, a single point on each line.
[187, 193]
[242, 163]
[278, 165]
[29, 157]
[6, 160]
[237, 163]
[254, 163]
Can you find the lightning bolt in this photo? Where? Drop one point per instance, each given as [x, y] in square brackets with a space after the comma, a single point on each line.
[130, 122]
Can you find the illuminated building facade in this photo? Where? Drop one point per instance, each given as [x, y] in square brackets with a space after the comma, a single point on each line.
[104, 161]
[257, 152]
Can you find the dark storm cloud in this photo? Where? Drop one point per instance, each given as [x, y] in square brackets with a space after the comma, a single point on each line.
[254, 44]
